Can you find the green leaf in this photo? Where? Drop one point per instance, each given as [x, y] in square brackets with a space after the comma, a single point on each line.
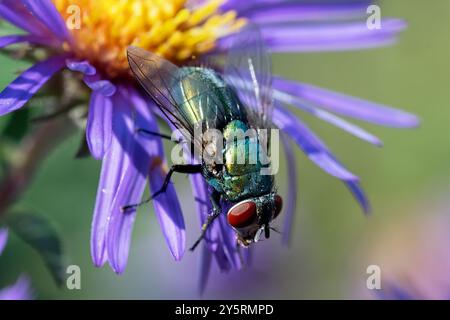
[42, 237]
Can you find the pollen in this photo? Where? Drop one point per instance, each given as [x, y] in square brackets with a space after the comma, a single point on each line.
[171, 28]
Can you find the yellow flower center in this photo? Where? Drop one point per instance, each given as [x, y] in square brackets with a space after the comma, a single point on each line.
[169, 28]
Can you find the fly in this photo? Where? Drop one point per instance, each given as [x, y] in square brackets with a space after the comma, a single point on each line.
[239, 99]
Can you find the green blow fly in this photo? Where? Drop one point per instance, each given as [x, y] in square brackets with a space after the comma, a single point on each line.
[238, 99]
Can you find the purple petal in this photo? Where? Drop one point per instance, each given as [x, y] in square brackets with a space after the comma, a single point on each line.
[128, 186]
[363, 43]
[205, 267]
[99, 125]
[292, 190]
[221, 258]
[292, 11]
[167, 206]
[13, 39]
[113, 167]
[46, 12]
[247, 256]
[201, 196]
[21, 290]
[3, 239]
[310, 144]
[396, 291]
[330, 8]
[168, 213]
[104, 87]
[81, 66]
[336, 36]
[229, 243]
[242, 6]
[346, 105]
[121, 223]
[28, 83]
[213, 239]
[142, 154]
[359, 195]
[15, 13]
[203, 205]
[327, 117]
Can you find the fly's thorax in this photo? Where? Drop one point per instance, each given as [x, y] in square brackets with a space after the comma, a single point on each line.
[239, 176]
[243, 152]
[207, 98]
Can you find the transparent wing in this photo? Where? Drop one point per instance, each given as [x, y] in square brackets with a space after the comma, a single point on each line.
[182, 94]
[248, 71]
[158, 77]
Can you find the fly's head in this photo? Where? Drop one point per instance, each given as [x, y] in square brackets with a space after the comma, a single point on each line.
[251, 217]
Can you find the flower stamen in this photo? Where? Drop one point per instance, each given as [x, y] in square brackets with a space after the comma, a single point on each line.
[169, 28]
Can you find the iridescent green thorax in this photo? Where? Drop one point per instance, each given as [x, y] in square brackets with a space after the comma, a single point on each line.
[219, 108]
[212, 102]
[244, 158]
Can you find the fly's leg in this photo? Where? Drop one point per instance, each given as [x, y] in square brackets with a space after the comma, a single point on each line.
[181, 168]
[161, 135]
[217, 210]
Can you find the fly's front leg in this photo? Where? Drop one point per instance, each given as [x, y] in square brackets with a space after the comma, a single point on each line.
[181, 168]
[217, 210]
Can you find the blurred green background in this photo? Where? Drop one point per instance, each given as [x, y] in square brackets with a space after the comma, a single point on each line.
[330, 235]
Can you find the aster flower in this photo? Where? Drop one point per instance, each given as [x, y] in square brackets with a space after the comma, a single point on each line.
[21, 289]
[179, 30]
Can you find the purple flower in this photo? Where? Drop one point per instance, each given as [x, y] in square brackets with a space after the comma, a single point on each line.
[116, 108]
[21, 290]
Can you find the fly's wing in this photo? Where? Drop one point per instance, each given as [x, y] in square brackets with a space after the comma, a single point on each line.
[182, 96]
[158, 77]
[248, 71]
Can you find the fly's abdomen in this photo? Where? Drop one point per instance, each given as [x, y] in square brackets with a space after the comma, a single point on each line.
[244, 160]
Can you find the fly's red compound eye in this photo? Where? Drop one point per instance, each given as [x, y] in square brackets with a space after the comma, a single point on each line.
[242, 214]
[278, 205]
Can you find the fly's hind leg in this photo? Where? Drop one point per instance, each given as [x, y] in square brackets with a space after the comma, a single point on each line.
[181, 168]
[217, 210]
